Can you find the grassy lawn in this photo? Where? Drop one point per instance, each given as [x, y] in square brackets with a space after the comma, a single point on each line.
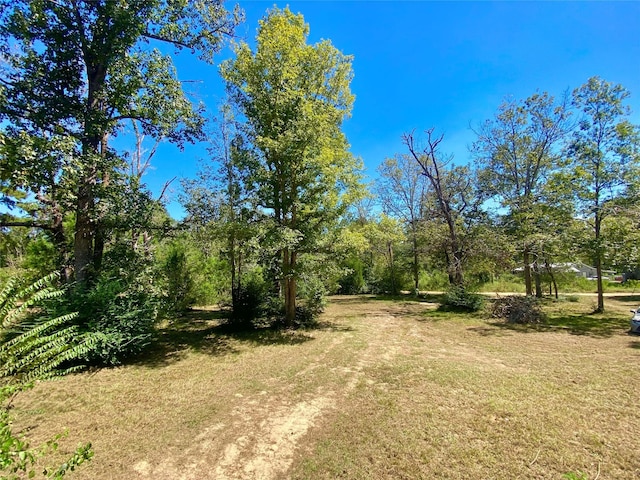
[385, 388]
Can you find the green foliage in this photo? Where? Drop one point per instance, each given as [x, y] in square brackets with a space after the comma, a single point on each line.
[352, 282]
[120, 314]
[34, 346]
[40, 256]
[605, 157]
[507, 282]
[570, 282]
[191, 272]
[70, 81]
[179, 279]
[578, 475]
[434, 280]
[385, 238]
[518, 309]
[519, 150]
[402, 188]
[313, 293]
[294, 97]
[459, 298]
[252, 300]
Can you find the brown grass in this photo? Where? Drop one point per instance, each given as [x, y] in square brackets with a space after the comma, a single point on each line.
[386, 389]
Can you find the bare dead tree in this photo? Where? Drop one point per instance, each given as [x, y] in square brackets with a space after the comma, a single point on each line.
[449, 187]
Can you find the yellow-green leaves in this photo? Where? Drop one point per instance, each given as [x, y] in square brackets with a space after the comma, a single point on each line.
[294, 97]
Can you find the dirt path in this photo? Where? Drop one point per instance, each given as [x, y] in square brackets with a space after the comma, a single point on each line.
[262, 437]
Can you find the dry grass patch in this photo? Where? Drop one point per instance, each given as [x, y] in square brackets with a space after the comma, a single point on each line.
[386, 389]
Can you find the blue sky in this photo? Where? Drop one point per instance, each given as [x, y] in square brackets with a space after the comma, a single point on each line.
[446, 65]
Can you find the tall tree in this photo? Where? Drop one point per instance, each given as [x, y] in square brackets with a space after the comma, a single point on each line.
[75, 69]
[401, 190]
[220, 199]
[605, 155]
[518, 150]
[294, 97]
[452, 196]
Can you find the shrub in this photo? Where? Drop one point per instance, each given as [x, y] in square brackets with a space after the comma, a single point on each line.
[251, 300]
[458, 298]
[518, 309]
[313, 301]
[353, 282]
[179, 280]
[120, 314]
[435, 280]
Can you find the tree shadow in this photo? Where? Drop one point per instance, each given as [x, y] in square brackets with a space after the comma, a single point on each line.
[493, 329]
[402, 297]
[208, 332]
[594, 325]
[634, 298]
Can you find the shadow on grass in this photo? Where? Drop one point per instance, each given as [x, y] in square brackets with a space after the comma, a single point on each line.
[635, 344]
[206, 331]
[407, 297]
[597, 326]
[634, 298]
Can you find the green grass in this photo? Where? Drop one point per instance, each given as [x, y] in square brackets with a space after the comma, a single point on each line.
[386, 388]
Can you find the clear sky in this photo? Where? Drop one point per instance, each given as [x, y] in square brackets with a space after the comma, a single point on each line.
[446, 65]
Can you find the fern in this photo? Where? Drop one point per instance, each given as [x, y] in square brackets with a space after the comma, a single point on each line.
[33, 347]
[16, 300]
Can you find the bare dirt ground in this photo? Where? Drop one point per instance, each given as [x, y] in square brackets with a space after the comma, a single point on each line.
[354, 399]
[264, 431]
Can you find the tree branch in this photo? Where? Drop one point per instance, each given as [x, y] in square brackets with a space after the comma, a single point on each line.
[25, 223]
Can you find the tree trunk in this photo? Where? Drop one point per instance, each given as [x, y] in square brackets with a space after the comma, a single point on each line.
[83, 239]
[598, 224]
[100, 233]
[94, 136]
[392, 264]
[600, 308]
[553, 279]
[537, 278]
[416, 271]
[59, 240]
[457, 269]
[526, 258]
[235, 291]
[289, 262]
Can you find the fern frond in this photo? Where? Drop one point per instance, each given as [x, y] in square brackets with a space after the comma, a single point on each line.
[34, 348]
[8, 299]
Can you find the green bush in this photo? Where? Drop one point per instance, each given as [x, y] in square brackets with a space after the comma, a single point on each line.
[507, 282]
[353, 282]
[433, 281]
[569, 282]
[250, 301]
[179, 281]
[458, 298]
[389, 281]
[313, 296]
[121, 315]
